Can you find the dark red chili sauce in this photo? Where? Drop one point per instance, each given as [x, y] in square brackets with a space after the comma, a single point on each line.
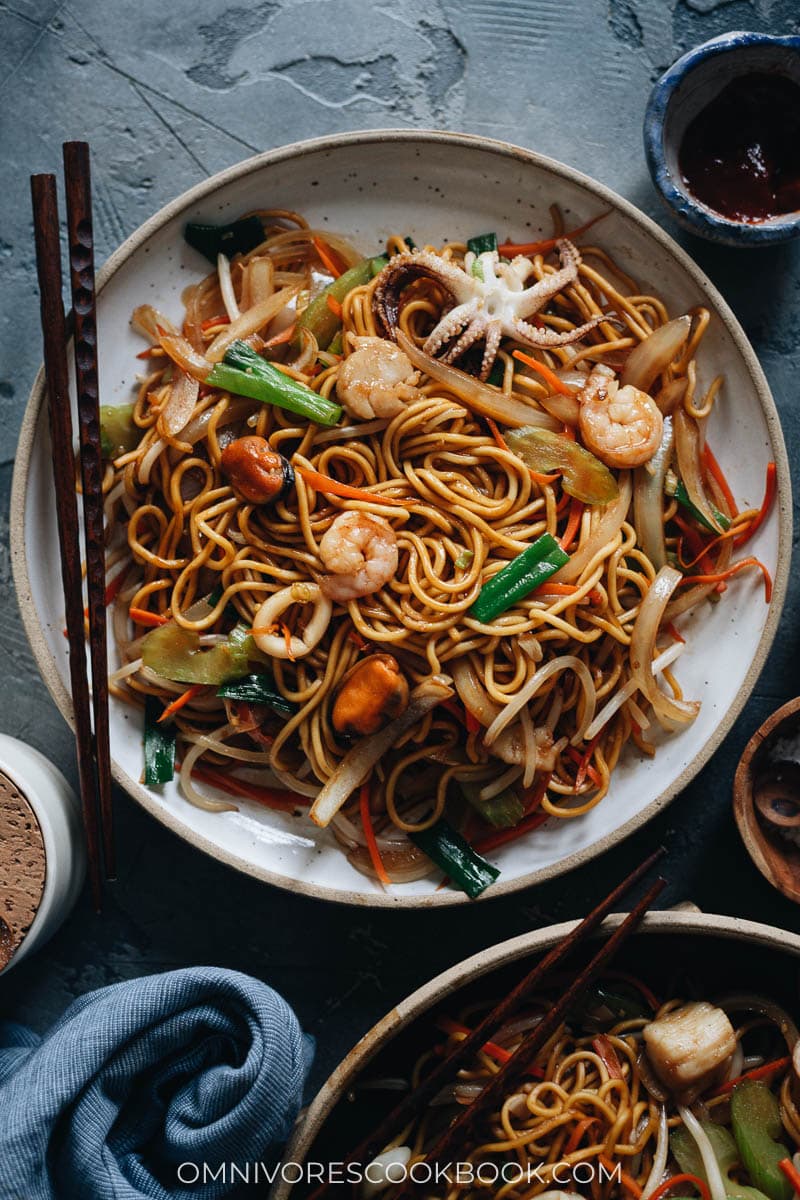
[741, 153]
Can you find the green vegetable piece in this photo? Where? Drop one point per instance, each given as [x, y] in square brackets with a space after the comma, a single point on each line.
[503, 811]
[583, 475]
[482, 243]
[246, 373]
[463, 866]
[464, 559]
[337, 345]
[118, 434]
[409, 241]
[318, 318]
[159, 745]
[603, 1005]
[682, 496]
[757, 1127]
[519, 578]
[497, 374]
[239, 237]
[257, 689]
[684, 1149]
[174, 653]
[377, 264]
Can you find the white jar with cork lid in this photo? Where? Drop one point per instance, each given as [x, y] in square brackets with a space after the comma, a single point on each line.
[42, 854]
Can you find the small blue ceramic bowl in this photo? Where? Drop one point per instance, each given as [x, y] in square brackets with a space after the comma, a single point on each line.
[676, 99]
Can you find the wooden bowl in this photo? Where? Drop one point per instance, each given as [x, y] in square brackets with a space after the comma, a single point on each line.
[766, 799]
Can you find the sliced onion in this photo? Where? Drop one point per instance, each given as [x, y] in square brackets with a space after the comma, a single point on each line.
[688, 445]
[642, 649]
[471, 692]
[250, 322]
[752, 1002]
[623, 695]
[149, 321]
[671, 395]
[652, 356]
[180, 404]
[197, 428]
[183, 353]
[652, 1084]
[659, 1156]
[379, 1174]
[607, 526]
[716, 1184]
[358, 762]
[564, 408]
[260, 277]
[154, 451]
[565, 662]
[404, 863]
[479, 397]
[309, 349]
[648, 499]
[226, 287]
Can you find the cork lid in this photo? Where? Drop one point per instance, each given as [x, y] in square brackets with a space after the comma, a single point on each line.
[23, 868]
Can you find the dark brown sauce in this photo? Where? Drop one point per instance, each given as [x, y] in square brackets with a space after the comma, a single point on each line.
[741, 154]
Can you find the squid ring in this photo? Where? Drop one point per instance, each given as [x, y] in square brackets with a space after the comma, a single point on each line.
[272, 609]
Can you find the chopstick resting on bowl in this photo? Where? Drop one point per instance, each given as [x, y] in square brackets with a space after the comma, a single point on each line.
[92, 745]
[411, 1104]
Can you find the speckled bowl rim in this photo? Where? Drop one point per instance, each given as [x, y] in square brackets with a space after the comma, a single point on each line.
[443, 898]
[691, 923]
[686, 209]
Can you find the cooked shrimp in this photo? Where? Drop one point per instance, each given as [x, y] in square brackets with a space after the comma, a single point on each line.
[360, 551]
[376, 380]
[622, 426]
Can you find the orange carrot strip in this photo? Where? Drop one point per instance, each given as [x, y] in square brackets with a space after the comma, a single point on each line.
[287, 640]
[335, 307]
[573, 524]
[179, 701]
[711, 465]
[328, 258]
[284, 336]
[630, 1185]
[499, 1053]
[721, 576]
[770, 490]
[324, 483]
[674, 633]
[770, 1068]
[792, 1174]
[503, 444]
[369, 836]
[574, 1139]
[142, 617]
[150, 352]
[503, 836]
[114, 588]
[547, 375]
[674, 1180]
[509, 249]
[277, 798]
[210, 322]
[604, 1049]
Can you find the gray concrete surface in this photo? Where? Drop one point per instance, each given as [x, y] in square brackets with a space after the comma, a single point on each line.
[170, 93]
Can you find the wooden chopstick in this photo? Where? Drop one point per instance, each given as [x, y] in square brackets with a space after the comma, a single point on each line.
[54, 332]
[77, 175]
[499, 1086]
[411, 1104]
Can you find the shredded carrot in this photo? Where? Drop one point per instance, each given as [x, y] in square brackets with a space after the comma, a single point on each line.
[150, 352]
[766, 1069]
[335, 307]
[547, 375]
[284, 336]
[509, 249]
[573, 524]
[324, 483]
[287, 640]
[741, 565]
[533, 796]
[770, 490]
[792, 1174]
[574, 1139]
[328, 258]
[499, 1053]
[114, 588]
[142, 617]
[584, 762]
[604, 1049]
[674, 633]
[369, 836]
[697, 546]
[711, 465]
[503, 444]
[355, 637]
[473, 724]
[211, 322]
[503, 836]
[276, 798]
[179, 701]
[630, 1185]
[668, 1185]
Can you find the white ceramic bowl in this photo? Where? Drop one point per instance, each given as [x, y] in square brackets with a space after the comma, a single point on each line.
[433, 186]
[691, 941]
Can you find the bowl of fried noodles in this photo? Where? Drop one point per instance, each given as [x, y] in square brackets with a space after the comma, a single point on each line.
[447, 518]
[674, 1074]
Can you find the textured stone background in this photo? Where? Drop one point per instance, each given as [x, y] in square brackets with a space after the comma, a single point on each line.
[169, 93]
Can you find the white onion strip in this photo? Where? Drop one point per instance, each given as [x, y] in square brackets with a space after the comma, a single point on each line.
[716, 1184]
[665, 659]
[659, 1158]
[526, 693]
[643, 636]
[601, 533]
[226, 287]
[250, 322]
[358, 762]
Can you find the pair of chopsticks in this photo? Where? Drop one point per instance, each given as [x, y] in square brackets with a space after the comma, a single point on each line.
[91, 721]
[412, 1105]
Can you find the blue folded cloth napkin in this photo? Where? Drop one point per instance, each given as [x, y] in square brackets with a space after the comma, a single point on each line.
[142, 1083]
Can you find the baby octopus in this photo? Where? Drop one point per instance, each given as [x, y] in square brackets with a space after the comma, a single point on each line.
[376, 380]
[360, 552]
[488, 301]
